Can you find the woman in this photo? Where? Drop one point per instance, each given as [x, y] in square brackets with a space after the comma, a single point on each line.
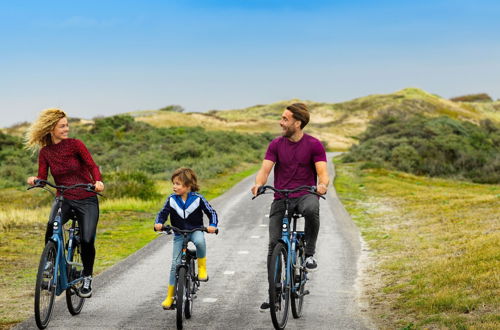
[70, 163]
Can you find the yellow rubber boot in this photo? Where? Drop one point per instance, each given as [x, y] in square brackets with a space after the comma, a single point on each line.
[167, 303]
[202, 269]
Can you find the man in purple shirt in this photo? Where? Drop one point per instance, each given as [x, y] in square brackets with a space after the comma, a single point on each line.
[298, 159]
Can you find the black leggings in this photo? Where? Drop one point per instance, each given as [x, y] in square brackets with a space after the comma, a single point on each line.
[86, 212]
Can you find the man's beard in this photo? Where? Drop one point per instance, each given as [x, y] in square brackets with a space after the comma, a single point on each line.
[288, 132]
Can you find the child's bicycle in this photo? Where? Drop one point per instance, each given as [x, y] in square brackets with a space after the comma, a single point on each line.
[287, 274]
[186, 277]
[60, 267]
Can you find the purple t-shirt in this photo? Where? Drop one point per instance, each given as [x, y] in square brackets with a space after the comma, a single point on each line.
[295, 162]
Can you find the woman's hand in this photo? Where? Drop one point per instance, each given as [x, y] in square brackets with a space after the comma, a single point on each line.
[99, 186]
[158, 226]
[211, 229]
[31, 180]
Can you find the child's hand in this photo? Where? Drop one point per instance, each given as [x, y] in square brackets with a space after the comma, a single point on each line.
[211, 229]
[158, 226]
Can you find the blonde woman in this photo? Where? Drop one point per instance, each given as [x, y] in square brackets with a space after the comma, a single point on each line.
[70, 163]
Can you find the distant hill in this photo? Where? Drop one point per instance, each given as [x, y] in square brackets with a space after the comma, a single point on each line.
[338, 124]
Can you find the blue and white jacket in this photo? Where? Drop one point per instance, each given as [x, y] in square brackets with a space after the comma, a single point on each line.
[187, 215]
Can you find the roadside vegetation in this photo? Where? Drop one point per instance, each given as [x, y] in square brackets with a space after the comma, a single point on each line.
[433, 146]
[435, 246]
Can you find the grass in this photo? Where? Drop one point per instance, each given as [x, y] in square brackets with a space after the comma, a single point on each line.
[436, 244]
[125, 225]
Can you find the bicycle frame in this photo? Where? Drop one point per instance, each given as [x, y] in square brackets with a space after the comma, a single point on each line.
[62, 263]
[185, 258]
[290, 239]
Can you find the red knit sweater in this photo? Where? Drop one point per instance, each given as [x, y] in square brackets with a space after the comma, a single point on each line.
[70, 163]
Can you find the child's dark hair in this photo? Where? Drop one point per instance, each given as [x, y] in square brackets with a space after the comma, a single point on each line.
[187, 177]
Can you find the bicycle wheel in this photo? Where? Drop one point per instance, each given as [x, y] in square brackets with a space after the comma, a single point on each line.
[299, 283]
[279, 292]
[188, 311]
[73, 300]
[180, 296]
[45, 288]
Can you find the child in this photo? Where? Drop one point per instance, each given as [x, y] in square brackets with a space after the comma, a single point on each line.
[185, 208]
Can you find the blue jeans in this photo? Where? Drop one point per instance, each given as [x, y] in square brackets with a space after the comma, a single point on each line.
[198, 238]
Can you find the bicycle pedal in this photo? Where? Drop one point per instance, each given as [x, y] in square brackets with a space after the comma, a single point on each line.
[306, 292]
[45, 285]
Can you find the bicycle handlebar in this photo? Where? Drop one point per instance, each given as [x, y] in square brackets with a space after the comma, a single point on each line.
[86, 186]
[168, 229]
[285, 192]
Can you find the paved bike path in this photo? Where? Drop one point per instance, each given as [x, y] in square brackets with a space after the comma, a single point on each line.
[128, 295]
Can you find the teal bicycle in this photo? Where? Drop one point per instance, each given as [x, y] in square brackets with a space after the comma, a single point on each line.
[287, 274]
[60, 268]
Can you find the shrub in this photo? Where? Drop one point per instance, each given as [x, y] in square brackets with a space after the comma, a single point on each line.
[405, 158]
[481, 97]
[173, 108]
[439, 146]
[130, 184]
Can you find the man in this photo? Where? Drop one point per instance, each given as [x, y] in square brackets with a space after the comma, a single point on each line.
[298, 159]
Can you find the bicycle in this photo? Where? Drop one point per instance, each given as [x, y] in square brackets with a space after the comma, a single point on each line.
[287, 259]
[187, 283]
[60, 268]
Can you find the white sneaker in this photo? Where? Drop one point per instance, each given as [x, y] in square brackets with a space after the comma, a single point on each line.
[311, 264]
[86, 289]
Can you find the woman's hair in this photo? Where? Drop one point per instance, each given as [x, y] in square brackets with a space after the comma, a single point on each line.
[187, 177]
[300, 112]
[38, 135]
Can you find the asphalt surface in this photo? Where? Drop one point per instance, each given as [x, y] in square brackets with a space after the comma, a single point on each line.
[129, 294]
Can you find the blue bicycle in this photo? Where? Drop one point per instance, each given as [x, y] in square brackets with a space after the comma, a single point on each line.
[60, 267]
[287, 274]
[185, 274]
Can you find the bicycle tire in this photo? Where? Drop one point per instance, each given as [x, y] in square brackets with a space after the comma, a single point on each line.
[188, 310]
[279, 292]
[299, 282]
[44, 290]
[73, 300]
[180, 296]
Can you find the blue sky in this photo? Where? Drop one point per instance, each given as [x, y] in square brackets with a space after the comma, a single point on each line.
[96, 58]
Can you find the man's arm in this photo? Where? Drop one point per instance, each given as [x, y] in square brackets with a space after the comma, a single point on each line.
[262, 175]
[323, 178]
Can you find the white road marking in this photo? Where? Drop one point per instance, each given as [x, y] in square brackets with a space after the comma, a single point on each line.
[229, 272]
[209, 300]
[255, 236]
[243, 252]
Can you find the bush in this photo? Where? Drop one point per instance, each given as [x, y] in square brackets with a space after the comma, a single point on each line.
[431, 146]
[173, 108]
[134, 184]
[405, 158]
[482, 97]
